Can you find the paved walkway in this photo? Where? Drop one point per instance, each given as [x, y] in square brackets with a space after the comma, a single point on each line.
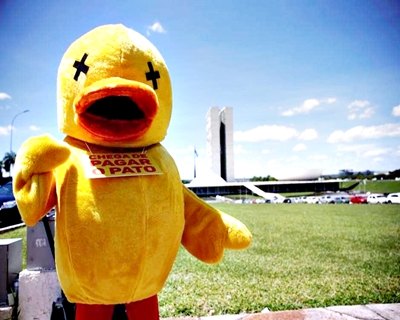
[359, 312]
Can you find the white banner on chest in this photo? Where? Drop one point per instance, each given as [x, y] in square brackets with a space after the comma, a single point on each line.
[115, 165]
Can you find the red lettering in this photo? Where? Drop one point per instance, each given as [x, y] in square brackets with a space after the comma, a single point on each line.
[107, 163]
[132, 162]
[95, 162]
[114, 170]
[120, 162]
[144, 161]
[127, 170]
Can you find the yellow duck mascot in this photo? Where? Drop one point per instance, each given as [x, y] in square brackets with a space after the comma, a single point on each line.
[122, 210]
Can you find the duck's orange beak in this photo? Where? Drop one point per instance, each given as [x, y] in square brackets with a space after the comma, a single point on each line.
[116, 109]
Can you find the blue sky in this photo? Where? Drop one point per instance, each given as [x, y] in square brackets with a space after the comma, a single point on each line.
[314, 85]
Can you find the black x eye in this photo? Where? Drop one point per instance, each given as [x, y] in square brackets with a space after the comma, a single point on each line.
[80, 67]
[152, 75]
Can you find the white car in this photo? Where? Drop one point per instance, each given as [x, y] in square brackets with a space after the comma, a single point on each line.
[312, 200]
[376, 198]
[334, 198]
[393, 197]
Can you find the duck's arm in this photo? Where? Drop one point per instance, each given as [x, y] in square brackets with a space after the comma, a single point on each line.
[209, 231]
[34, 183]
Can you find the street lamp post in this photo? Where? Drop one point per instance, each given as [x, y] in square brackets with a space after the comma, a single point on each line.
[12, 127]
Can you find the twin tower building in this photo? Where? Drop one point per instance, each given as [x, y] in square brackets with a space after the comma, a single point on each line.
[220, 142]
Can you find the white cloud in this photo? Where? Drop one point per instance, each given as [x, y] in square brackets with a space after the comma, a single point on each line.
[274, 133]
[397, 152]
[34, 128]
[266, 132]
[307, 106]
[365, 150]
[318, 157]
[308, 134]
[239, 149]
[396, 111]
[299, 147]
[388, 130]
[329, 100]
[360, 109]
[4, 131]
[156, 27]
[375, 152]
[4, 96]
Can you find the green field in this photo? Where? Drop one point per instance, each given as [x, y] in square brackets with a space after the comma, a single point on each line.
[374, 186]
[302, 256]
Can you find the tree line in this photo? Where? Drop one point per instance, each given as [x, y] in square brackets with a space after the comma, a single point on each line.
[7, 162]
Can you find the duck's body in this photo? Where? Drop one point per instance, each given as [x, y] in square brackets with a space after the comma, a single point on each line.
[116, 243]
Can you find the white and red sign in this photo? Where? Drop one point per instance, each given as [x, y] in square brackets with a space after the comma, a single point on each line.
[113, 165]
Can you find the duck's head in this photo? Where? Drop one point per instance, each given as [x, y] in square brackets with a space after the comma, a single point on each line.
[114, 89]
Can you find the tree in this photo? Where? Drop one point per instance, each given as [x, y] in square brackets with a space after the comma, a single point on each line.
[8, 161]
[267, 178]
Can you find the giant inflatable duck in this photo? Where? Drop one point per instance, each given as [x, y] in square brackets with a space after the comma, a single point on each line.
[122, 211]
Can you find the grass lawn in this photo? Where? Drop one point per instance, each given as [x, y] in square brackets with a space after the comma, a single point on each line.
[384, 186]
[302, 256]
[18, 233]
[377, 186]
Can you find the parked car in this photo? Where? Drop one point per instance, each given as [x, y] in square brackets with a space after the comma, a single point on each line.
[334, 198]
[358, 198]
[296, 199]
[376, 198]
[6, 195]
[312, 200]
[327, 198]
[9, 213]
[344, 198]
[393, 197]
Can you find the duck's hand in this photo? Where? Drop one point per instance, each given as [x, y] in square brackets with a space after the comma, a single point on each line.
[40, 155]
[237, 234]
[33, 184]
[209, 231]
